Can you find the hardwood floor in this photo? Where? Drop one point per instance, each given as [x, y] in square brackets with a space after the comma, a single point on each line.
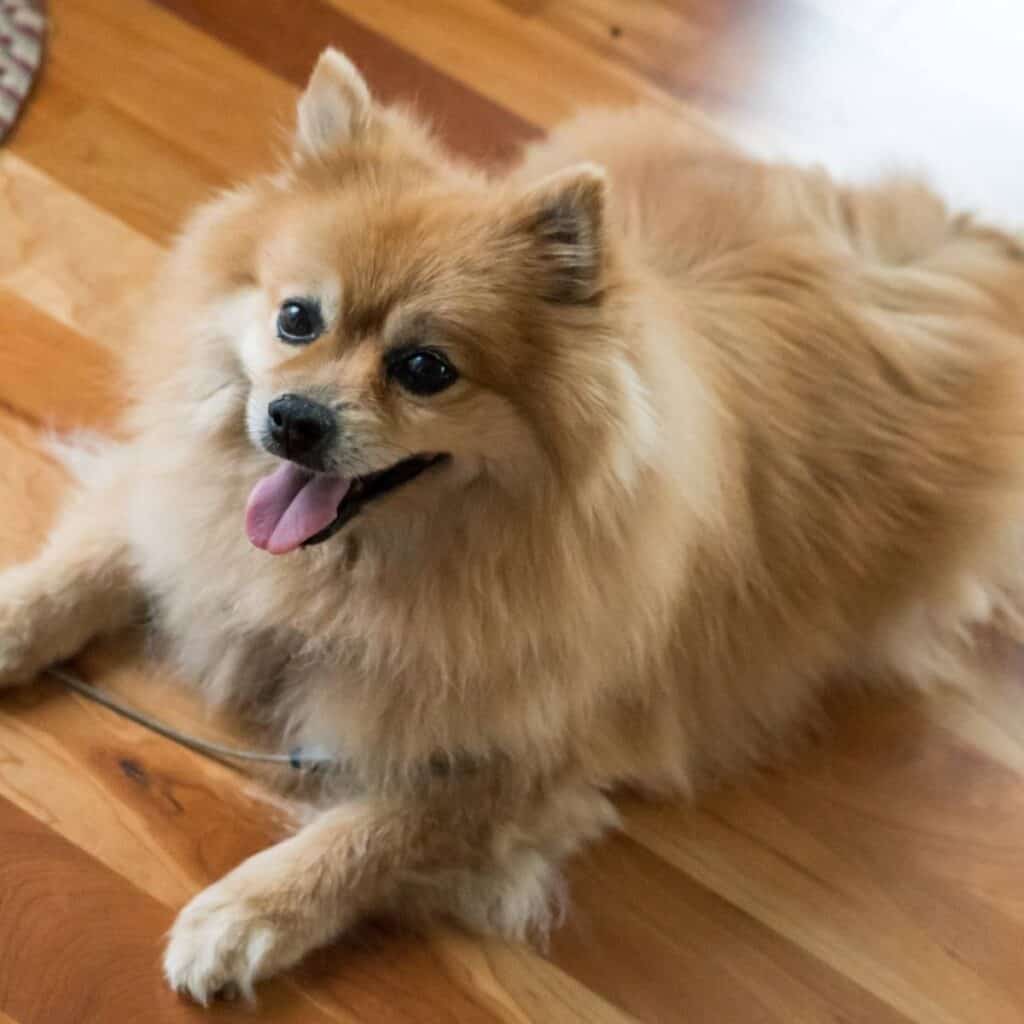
[878, 878]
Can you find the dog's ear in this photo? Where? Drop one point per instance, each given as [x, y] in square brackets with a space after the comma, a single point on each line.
[563, 216]
[335, 108]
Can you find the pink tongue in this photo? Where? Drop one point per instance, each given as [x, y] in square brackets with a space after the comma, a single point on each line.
[291, 505]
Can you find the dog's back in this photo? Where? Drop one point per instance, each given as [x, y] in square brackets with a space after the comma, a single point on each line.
[863, 349]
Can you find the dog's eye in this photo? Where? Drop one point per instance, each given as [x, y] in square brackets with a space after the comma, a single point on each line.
[299, 321]
[422, 371]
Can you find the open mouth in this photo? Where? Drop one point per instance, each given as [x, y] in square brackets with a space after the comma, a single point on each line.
[294, 507]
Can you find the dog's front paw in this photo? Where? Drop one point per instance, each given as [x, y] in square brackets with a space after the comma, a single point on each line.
[224, 941]
[253, 923]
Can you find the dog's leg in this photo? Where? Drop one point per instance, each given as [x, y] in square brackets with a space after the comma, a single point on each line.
[80, 585]
[412, 858]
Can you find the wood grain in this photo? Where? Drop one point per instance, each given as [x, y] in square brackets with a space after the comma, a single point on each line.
[876, 879]
[54, 376]
[92, 278]
[877, 856]
[121, 164]
[180, 83]
[675, 46]
[288, 38]
[676, 943]
[539, 72]
[81, 945]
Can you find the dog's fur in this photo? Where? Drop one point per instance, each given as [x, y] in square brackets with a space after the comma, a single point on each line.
[724, 432]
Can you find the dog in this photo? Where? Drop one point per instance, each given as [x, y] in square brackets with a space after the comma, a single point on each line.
[510, 491]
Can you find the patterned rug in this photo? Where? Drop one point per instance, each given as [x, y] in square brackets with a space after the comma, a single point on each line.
[22, 28]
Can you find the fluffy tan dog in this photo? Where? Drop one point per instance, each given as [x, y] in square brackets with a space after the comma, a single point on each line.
[508, 492]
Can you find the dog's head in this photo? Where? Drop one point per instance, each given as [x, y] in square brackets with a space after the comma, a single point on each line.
[405, 327]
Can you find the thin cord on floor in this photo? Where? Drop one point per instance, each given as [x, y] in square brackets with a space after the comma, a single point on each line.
[297, 759]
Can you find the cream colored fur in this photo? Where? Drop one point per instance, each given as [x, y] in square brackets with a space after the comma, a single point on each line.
[725, 431]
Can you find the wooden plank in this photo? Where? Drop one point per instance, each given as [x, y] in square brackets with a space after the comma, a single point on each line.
[675, 46]
[287, 38]
[168, 821]
[79, 945]
[115, 161]
[527, 987]
[879, 855]
[648, 937]
[537, 71]
[52, 375]
[378, 974]
[93, 278]
[201, 96]
[383, 974]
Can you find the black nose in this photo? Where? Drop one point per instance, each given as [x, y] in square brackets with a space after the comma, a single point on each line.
[300, 428]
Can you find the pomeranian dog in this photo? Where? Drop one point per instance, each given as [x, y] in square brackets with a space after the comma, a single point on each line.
[508, 492]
